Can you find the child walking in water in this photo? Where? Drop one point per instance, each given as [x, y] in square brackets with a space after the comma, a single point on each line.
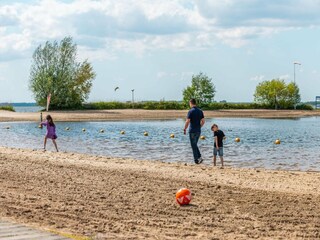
[218, 144]
[51, 131]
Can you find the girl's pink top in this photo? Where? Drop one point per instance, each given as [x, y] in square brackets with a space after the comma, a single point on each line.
[51, 130]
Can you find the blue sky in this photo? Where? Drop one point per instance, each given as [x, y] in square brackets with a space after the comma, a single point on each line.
[155, 46]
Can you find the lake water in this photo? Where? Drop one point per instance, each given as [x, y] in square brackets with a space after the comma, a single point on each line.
[27, 108]
[299, 148]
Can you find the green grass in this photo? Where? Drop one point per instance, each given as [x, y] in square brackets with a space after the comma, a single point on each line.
[150, 105]
[7, 108]
[176, 105]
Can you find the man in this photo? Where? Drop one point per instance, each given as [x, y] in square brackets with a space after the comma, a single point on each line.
[195, 119]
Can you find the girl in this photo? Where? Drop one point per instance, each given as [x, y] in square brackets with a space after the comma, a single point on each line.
[51, 132]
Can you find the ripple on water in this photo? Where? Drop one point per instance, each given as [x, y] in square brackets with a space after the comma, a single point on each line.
[298, 150]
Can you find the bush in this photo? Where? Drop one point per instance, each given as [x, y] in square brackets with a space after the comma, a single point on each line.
[106, 105]
[304, 106]
[220, 106]
[7, 108]
[175, 105]
[150, 105]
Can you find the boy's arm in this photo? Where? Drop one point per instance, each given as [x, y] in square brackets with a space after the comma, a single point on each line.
[216, 141]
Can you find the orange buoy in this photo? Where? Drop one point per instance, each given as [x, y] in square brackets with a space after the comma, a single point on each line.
[183, 196]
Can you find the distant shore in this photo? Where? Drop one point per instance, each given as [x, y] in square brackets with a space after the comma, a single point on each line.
[138, 114]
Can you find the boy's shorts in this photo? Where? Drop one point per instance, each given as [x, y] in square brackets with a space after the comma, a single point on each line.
[220, 151]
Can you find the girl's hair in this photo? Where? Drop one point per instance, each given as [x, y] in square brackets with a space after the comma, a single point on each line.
[50, 120]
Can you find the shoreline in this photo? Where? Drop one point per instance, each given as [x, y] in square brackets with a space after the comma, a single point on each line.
[138, 114]
[119, 198]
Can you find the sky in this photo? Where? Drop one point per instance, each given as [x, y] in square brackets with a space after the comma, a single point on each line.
[155, 46]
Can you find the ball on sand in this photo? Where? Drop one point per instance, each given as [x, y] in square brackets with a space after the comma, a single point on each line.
[237, 139]
[183, 196]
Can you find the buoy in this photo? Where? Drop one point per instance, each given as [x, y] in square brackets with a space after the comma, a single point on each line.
[224, 138]
[101, 130]
[183, 196]
[237, 139]
[146, 134]
[8, 127]
[277, 141]
[67, 128]
[122, 132]
[171, 135]
[39, 126]
[202, 137]
[83, 129]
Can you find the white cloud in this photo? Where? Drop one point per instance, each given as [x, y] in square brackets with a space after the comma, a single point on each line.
[110, 26]
[182, 76]
[284, 77]
[258, 78]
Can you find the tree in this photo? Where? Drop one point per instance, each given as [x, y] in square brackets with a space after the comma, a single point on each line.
[202, 89]
[55, 71]
[277, 94]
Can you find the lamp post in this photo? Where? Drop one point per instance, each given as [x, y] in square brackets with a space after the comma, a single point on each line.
[132, 98]
[294, 76]
[294, 70]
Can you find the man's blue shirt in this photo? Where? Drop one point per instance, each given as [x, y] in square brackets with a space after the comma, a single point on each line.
[195, 115]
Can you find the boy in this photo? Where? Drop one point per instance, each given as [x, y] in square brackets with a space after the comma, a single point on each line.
[218, 144]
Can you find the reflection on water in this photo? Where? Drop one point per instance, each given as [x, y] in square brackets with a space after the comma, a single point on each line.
[299, 148]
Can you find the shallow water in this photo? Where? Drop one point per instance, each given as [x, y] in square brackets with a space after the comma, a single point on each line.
[299, 148]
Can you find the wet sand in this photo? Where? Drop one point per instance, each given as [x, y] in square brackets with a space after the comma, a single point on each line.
[129, 114]
[109, 198]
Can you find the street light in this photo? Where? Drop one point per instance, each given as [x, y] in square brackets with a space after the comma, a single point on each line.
[294, 70]
[132, 98]
[294, 76]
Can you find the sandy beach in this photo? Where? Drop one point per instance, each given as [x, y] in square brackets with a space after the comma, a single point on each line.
[138, 114]
[109, 198]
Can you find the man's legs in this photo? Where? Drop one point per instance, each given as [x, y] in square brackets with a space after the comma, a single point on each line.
[194, 138]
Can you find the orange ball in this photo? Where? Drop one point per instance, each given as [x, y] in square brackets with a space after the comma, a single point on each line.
[183, 196]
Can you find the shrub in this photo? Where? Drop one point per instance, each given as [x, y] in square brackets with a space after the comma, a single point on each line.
[7, 108]
[304, 106]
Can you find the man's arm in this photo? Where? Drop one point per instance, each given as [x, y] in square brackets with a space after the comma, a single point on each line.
[186, 125]
[202, 121]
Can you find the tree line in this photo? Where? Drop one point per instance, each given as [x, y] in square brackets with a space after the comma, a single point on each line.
[55, 71]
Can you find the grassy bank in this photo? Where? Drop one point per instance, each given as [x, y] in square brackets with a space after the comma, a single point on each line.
[7, 108]
[175, 105]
